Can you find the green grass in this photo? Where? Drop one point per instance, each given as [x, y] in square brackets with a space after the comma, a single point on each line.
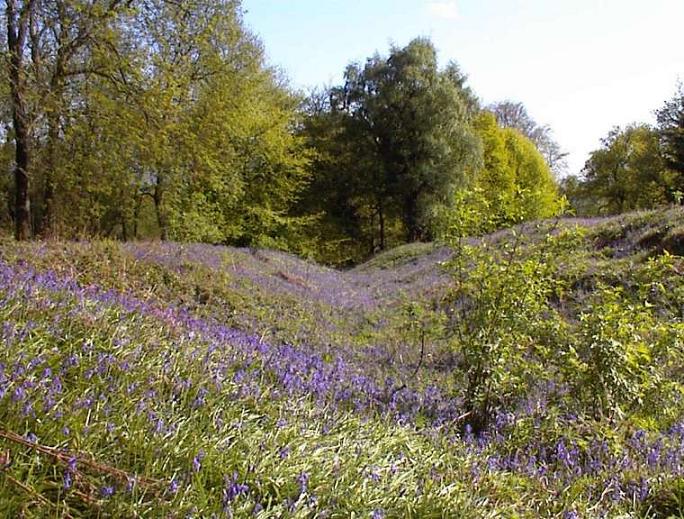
[113, 359]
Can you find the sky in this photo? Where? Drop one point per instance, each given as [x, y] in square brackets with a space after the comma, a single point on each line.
[580, 66]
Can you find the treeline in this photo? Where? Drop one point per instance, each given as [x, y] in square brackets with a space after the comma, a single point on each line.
[143, 118]
[399, 142]
[137, 119]
[637, 167]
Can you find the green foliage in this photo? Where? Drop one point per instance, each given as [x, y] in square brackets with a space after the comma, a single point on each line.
[472, 215]
[515, 181]
[170, 107]
[394, 142]
[626, 173]
[638, 167]
[511, 322]
[614, 352]
[248, 166]
[500, 322]
[227, 167]
[514, 185]
[514, 115]
[536, 194]
[671, 132]
[496, 184]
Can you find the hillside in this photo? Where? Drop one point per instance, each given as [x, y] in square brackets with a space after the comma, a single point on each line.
[168, 380]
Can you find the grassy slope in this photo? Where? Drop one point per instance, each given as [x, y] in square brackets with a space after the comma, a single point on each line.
[191, 380]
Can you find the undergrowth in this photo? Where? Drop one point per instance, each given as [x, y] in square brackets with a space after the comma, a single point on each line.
[534, 372]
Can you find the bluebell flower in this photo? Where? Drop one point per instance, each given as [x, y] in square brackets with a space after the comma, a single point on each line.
[107, 491]
[303, 480]
[197, 461]
[67, 480]
[233, 489]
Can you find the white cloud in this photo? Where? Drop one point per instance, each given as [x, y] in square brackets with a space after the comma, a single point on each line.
[444, 9]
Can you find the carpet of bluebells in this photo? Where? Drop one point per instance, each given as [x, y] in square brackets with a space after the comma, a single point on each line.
[167, 380]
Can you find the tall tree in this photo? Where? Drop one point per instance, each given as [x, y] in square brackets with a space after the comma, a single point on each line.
[150, 116]
[514, 183]
[671, 130]
[50, 44]
[410, 122]
[347, 189]
[512, 114]
[627, 172]
[222, 163]
[18, 16]
[69, 39]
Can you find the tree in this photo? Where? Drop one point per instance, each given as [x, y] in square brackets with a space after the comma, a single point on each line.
[347, 192]
[627, 172]
[579, 198]
[223, 164]
[671, 131]
[18, 16]
[514, 183]
[536, 189]
[51, 47]
[69, 39]
[6, 173]
[152, 116]
[403, 139]
[510, 114]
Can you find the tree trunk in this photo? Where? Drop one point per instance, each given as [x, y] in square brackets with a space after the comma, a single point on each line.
[381, 218]
[22, 204]
[17, 23]
[55, 108]
[136, 215]
[47, 221]
[411, 218]
[371, 235]
[124, 226]
[161, 218]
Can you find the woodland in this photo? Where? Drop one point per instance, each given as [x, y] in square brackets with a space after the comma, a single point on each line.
[221, 296]
[156, 119]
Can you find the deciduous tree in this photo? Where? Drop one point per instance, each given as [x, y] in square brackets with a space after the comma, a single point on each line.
[627, 172]
[403, 138]
[512, 114]
[671, 131]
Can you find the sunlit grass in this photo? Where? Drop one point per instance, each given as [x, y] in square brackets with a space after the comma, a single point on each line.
[176, 381]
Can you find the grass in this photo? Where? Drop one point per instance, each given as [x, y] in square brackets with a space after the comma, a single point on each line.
[167, 380]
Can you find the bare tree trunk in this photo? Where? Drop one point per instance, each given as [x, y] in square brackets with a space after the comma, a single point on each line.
[17, 23]
[371, 235]
[47, 221]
